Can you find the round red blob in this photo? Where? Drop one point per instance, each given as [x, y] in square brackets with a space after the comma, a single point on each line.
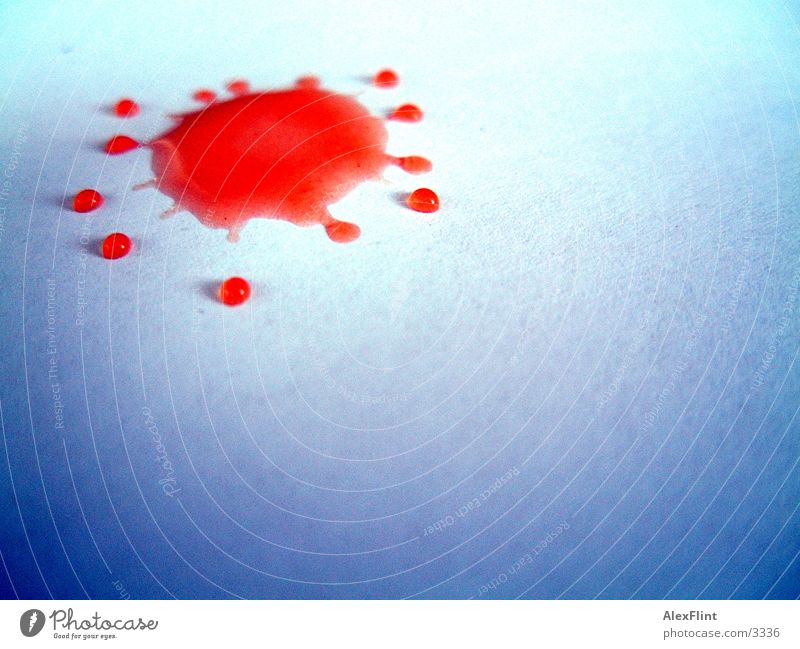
[386, 79]
[126, 108]
[284, 154]
[423, 200]
[87, 200]
[121, 144]
[205, 95]
[116, 245]
[407, 113]
[234, 291]
[415, 164]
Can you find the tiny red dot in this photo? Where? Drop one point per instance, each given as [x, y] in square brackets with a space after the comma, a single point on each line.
[116, 245]
[386, 79]
[234, 291]
[87, 200]
[126, 108]
[121, 144]
[205, 95]
[423, 200]
[407, 113]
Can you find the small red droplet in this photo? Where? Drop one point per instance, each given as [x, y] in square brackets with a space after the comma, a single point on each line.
[407, 113]
[87, 200]
[415, 164]
[239, 86]
[126, 108]
[121, 144]
[204, 95]
[234, 291]
[309, 81]
[116, 245]
[386, 79]
[423, 200]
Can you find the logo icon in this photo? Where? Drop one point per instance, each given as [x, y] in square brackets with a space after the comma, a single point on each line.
[31, 622]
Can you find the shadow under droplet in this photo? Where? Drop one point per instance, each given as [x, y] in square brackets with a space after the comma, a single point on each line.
[400, 198]
[210, 290]
[62, 201]
[94, 247]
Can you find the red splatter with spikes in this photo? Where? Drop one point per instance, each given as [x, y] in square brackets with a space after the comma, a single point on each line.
[281, 154]
[116, 245]
[87, 200]
[234, 291]
[121, 144]
[126, 108]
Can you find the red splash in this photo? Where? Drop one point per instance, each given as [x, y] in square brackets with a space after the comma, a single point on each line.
[283, 154]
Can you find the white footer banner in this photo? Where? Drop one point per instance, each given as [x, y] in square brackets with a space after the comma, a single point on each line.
[388, 624]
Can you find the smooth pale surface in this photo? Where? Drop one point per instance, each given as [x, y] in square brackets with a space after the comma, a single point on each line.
[577, 379]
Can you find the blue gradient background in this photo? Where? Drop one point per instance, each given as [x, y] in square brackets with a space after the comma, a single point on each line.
[594, 342]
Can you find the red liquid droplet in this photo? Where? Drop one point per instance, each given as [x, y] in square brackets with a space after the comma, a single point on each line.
[87, 200]
[239, 86]
[204, 95]
[116, 245]
[126, 108]
[386, 79]
[415, 164]
[407, 113]
[121, 144]
[283, 154]
[234, 291]
[423, 200]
